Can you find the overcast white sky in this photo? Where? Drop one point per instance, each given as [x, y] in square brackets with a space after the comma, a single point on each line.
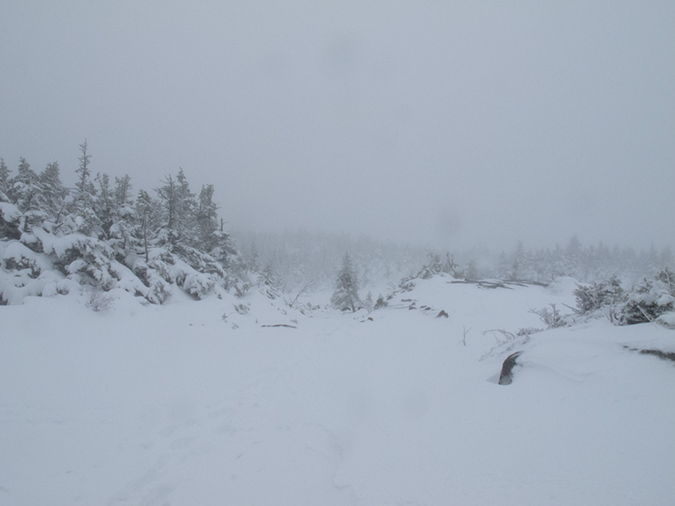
[445, 123]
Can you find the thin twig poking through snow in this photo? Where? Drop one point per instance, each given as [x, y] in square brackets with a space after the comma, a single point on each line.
[464, 334]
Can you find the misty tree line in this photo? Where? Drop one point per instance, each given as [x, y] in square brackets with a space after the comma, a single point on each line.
[101, 233]
[584, 263]
[300, 258]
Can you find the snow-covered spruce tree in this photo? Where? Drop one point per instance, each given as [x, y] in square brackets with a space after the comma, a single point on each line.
[225, 252]
[54, 193]
[179, 206]
[26, 189]
[207, 219]
[147, 222]
[4, 181]
[186, 215]
[168, 196]
[268, 282]
[84, 216]
[122, 229]
[28, 196]
[104, 205]
[346, 295]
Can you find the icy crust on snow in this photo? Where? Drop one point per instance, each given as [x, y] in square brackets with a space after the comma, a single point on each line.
[211, 403]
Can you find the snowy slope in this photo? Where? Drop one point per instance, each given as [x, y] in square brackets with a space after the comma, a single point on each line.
[174, 405]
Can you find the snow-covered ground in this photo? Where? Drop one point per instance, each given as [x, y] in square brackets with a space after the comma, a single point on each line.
[176, 405]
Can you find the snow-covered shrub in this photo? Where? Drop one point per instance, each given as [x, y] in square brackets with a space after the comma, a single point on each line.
[197, 284]
[159, 291]
[648, 300]
[595, 296]
[551, 316]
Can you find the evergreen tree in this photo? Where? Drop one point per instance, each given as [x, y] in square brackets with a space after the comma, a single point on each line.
[185, 211]
[53, 191]
[84, 214]
[346, 295]
[147, 217]
[168, 194]
[179, 207]
[25, 187]
[4, 181]
[104, 205]
[27, 194]
[268, 281]
[122, 231]
[224, 250]
[207, 219]
[122, 193]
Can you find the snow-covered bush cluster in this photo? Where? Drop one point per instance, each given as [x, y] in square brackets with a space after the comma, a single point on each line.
[647, 301]
[54, 240]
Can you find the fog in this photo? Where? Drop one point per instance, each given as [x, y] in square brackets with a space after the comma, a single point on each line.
[450, 124]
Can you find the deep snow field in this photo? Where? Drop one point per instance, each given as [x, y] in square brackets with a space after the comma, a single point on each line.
[174, 405]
